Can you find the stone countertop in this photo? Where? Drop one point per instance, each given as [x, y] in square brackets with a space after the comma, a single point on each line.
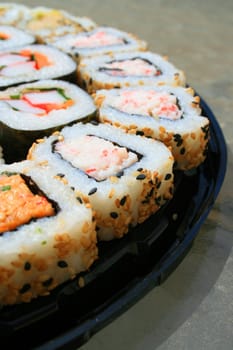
[193, 309]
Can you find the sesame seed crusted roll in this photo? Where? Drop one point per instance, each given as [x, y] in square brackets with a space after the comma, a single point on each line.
[101, 40]
[167, 113]
[47, 233]
[127, 69]
[125, 177]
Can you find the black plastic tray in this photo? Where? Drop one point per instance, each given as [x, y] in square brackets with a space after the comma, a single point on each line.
[127, 268]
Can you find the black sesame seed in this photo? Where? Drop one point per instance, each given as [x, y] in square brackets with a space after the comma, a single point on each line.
[120, 174]
[158, 200]
[80, 200]
[158, 184]
[26, 287]
[182, 151]
[168, 176]
[123, 200]
[114, 215]
[141, 177]
[90, 81]
[60, 175]
[139, 169]
[27, 266]
[140, 133]
[92, 191]
[62, 264]
[48, 282]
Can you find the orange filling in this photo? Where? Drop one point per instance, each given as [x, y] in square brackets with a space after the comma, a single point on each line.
[40, 59]
[18, 205]
[4, 36]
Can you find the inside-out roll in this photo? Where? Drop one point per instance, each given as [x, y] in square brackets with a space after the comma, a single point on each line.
[101, 40]
[125, 177]
[166, 113]
[49, 24]
[47, 235]
[127, 69]
[33, 110]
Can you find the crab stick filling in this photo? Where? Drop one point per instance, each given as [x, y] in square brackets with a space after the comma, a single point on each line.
[131, 67]
[24, 62]
[4, 36]
[147, 102]
[95, 156]
[18, 204]
[95, 39]
[39, 102]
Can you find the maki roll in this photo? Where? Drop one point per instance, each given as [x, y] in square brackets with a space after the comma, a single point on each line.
[47, 235]
[127, 69]
[49, 24]
[102, 40]
[33, 110]
[169, 114]
[34, 62]
[13, 14]
[125, 177]
[11, 37]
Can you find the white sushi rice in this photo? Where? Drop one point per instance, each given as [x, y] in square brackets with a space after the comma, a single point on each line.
[82, 107]
[38, 256]
[15, 37]
[95, 73]
[60, 65]
[119, 201]
[185, 134]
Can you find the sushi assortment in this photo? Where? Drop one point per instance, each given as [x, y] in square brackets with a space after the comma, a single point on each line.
[93, 128]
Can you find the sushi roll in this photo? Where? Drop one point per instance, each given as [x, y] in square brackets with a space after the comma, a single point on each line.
[13, 14]
[125, 177]
[127, 69]
[11, 37]
[34, 62]
[33, 110]
[49, 24]
[47, 235]
[169, 114]
[102, 40]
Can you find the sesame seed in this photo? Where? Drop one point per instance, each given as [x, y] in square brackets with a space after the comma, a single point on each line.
[48, 282]
[141, 177]
[114, 215]
[123, 200]
[26, 287]
[92, 191]
[27, 266]
[62, 264]
[168, 176]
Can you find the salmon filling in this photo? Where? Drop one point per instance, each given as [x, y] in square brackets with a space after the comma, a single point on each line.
[147, 102]
[18, 204]
[131, 67]
[97, 157]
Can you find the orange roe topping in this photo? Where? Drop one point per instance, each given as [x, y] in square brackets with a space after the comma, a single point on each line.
[18, 205]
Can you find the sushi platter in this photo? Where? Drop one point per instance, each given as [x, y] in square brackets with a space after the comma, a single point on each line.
[110, 164]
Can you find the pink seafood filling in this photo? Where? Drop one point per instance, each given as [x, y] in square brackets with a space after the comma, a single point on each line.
[135, 67]
[99, 38]
[95, 156]
[146, 102]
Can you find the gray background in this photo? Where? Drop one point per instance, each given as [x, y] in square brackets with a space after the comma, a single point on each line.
[193, 309]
